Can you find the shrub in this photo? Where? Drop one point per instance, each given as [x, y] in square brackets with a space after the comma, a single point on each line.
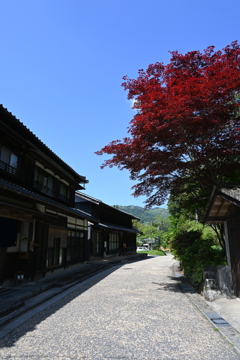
[194, 249]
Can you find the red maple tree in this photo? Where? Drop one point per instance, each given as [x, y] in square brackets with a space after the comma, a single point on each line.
[186, 132]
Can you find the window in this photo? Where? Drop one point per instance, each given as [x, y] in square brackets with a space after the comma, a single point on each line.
[63, 195]
[43, 182]
[13, 160]
[113, 242]
[42, 178]
[96, 243]
[10, 158]
[75, 245]
[54, 256]
[64, 190]
[8, 232]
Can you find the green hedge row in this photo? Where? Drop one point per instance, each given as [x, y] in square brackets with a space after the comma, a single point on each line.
[195, 251]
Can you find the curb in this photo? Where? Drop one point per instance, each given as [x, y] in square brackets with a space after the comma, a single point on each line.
[219, 323]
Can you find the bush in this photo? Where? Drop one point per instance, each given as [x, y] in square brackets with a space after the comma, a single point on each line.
[195, 250]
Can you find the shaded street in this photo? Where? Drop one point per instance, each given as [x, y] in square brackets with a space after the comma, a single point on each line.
[134, 311]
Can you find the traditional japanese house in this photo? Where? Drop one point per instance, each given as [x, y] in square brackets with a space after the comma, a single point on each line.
[114, 234]
[224, 207]
[40, 229]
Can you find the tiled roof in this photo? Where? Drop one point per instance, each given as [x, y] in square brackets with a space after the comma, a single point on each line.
[221, 203]
[96, 201]
[88, 197]
[234, 193]
[114, 227]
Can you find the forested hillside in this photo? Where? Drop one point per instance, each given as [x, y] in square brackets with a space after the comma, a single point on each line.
[145, 215]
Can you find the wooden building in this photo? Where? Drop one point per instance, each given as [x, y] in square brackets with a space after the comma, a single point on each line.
[114, 234]
[224, 207]
[40, 228]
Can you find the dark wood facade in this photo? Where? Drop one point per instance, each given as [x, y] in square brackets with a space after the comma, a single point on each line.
[224, 207]
[40, 229]
[114, 234]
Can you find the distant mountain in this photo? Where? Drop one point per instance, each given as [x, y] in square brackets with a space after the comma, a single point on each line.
[145, 215]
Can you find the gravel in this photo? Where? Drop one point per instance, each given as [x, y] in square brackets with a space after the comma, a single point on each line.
[137, 311]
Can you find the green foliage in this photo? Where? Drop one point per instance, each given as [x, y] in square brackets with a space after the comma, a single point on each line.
[153, 225]
[156, 252]
[154, 231]
[145, 215]
[185, 218]
[195, 249]
[192, 243]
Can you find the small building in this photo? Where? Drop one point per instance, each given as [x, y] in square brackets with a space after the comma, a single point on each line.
[40, 228]
[149, 243]
[224, 207]
[113, 234]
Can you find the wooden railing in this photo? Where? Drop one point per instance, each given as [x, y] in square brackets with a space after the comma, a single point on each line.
[11, 170]
[52, 193]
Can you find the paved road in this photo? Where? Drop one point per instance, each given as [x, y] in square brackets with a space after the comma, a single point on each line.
[135, 311]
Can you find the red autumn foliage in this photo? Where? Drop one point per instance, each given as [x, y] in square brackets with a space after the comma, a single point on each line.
[187, 124]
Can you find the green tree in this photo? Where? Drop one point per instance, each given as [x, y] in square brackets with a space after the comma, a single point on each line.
[195, 245]
[196, 248]
[154, 231]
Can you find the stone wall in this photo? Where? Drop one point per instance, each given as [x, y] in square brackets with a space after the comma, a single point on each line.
[217, 282]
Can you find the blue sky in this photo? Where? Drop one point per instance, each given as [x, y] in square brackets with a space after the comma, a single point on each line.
[62, 64]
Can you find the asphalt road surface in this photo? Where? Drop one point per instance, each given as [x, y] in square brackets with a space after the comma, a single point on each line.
[133, 311]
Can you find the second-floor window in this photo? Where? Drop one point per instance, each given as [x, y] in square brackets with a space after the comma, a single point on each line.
[64, 190]
[49, 185]
[42, 178]
[9, 158]
[13, 160]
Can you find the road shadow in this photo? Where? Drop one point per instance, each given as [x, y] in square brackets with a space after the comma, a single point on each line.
[177, 284]
[30, 325]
